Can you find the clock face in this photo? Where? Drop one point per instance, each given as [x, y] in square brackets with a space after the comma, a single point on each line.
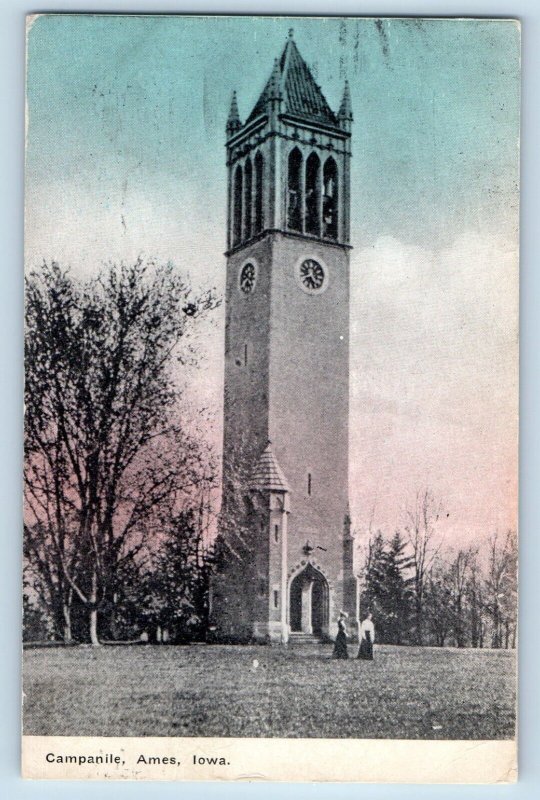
[312, 275]
[248, 276]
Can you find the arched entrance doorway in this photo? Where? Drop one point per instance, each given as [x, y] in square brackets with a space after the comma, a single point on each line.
[308, 602]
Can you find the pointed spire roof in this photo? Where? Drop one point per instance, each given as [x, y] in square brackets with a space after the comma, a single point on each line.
[301, 95]
[233, 121]
[274, 84]
[345, 109]
[268, 474]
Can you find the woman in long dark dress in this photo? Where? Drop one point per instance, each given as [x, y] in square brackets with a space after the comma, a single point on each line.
[366, 635]
[340, 646]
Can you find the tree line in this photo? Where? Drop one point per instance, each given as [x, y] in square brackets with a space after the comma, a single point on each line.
[422, 593]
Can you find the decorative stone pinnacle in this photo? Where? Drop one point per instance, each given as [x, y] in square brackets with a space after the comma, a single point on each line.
[345, 109]
[233, 121]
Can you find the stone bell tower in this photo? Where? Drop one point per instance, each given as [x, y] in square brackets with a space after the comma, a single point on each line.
[285, 545]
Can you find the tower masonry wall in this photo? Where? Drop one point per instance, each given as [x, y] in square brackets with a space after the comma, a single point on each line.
[247, 352]
[309, 400]
[287, 359]
[242, 590]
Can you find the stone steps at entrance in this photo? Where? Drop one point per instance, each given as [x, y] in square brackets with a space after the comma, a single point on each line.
[299, 638]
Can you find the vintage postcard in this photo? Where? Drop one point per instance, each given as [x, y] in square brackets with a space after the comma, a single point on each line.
[271, 307]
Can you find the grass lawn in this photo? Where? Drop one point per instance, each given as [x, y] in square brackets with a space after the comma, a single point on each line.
[215, 690]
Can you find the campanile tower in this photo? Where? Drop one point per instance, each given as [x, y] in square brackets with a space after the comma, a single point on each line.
[285, 545]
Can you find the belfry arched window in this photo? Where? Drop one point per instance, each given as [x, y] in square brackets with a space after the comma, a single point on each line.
[313, 195]
[248, 183]
[237, 205]
[330, 199]
[294, 191]
[259, 170]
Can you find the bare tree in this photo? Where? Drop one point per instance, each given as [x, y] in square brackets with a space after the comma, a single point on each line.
[459, 573]
[437, 603]
[475, 592]
[103, 444]
[501, 589]
[421, 532]
[43, 575]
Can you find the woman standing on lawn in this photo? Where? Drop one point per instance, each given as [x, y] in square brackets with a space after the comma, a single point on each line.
[366, 634]
[340, 646]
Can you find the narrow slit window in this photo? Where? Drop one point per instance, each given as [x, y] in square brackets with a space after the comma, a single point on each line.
[237, 206]
[313, 195]
[309, 483]
[276, 598]
[330, 200]
[276, 533]
[247, 199]
[245, 355]
[259, 166]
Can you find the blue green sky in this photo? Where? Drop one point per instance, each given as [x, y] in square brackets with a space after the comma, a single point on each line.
[144, 100]
[125, 154]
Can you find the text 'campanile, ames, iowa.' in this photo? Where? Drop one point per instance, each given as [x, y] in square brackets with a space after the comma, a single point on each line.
[285, 551]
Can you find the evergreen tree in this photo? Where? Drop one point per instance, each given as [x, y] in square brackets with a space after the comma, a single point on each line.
[372, 597]
[397, 597]
[387, 587]
[176, 586]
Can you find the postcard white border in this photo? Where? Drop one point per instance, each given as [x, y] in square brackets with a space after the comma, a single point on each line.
[293, 760]
[11, 133]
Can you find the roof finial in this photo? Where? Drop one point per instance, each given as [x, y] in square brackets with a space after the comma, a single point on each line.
[233, 121]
